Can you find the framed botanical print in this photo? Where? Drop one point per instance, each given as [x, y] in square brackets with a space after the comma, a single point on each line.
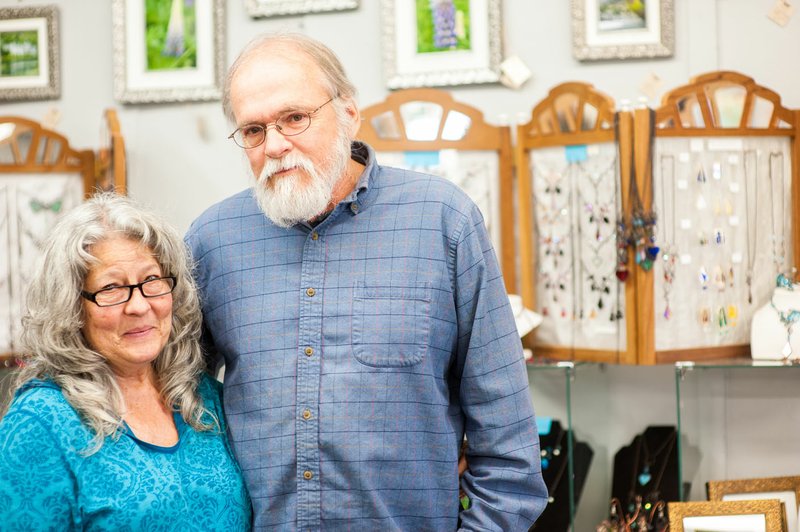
[29, 55]
[168, 50]
[429, 43]
[621, 29]
[274, 8]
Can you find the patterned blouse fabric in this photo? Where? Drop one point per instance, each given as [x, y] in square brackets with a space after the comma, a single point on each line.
[47, 483]
[361, 351]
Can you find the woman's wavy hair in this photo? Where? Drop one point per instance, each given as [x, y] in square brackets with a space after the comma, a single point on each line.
[53, 345]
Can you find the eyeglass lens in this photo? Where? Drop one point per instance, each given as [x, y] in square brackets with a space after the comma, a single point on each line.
[121, 294]
[289, 124]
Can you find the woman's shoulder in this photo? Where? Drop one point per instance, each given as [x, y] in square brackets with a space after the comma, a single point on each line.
[42, 398]
[40, 410]
[210, 391]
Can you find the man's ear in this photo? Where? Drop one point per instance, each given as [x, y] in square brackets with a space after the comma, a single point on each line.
[351, 108]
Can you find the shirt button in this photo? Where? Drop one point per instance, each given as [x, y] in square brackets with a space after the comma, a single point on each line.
[310, 292]
[354, 207]
[306, 414]
[309, 351]
[314, 236]
[308, 475]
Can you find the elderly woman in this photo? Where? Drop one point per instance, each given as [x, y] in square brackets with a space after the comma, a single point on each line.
[114, 425]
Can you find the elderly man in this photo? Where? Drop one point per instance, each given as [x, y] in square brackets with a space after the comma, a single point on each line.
[362, 319]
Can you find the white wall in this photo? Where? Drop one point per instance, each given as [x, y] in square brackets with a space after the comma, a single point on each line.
[180, 161]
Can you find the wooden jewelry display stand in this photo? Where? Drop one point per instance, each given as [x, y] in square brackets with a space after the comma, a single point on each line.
[725, 180]
[705, 203]
[428, 131]
[573, 179]
[41, 178]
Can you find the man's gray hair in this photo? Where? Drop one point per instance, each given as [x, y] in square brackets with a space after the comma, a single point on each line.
[53, 345]
[335, 78]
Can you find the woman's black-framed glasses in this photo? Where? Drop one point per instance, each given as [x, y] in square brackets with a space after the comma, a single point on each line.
[117, 295]
[289, 124]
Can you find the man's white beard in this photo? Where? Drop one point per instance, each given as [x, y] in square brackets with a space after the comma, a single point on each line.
[289, 200]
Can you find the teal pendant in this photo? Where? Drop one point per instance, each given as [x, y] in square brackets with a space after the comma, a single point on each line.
[645, 476]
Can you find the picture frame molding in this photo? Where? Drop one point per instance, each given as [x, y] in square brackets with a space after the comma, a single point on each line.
[658, 42]
[160, 87]
[427, 72]
[48, 85]
[771, 509]
[276, 8]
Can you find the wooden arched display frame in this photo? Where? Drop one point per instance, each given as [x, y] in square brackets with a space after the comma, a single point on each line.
[111, 172]
[571, 121]
[42, 176]
[725, 120]
[390, 127]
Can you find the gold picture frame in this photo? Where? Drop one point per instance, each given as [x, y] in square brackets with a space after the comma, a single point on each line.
[785, 489]
[726, 516]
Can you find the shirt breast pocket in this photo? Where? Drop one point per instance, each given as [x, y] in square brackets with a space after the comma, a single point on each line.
[391, 325]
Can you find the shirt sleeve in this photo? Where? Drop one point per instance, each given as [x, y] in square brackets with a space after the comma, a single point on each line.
[37, 489]
[504, 479]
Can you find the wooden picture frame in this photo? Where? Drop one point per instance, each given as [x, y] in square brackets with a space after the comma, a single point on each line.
[612, 29]
[168, 50]
[785, 489]
[30, 67]
[275, 8]
[726, 516]
[459, 45]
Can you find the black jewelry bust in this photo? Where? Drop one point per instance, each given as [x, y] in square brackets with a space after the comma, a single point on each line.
[648, 467]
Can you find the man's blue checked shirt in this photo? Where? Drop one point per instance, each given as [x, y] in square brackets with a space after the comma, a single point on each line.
[359, 352]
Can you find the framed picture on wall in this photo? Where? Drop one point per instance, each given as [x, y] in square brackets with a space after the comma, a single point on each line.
[168, 50]
[622, 29]
[273, 8]
[430, 43]
[29, 57]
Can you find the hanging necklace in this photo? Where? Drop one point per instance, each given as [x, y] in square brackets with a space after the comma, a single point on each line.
[670, 254]
[551, 490]
[778, 241]
[642, 477]
[788, 317]
[551, 451]
[752, 221]
[643, 221]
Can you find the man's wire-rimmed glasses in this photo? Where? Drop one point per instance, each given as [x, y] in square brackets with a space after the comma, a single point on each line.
[117, 295]
[288, 124]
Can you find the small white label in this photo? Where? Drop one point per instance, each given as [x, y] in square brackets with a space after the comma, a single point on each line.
[734, 188]
[683, 156]
[733, 159]
[686, 223]
[736, 257]
[781, 12]
[733, 221]
[686, 259]
[682, 184]
[593, 149]
[697, 145]
[725, 144]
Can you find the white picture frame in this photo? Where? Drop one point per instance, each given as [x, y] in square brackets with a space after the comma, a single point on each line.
[411, 59]
[197, 79]
[30, 67]
[275, 8]
[601, 33]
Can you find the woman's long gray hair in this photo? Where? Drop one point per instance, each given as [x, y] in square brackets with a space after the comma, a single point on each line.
[53, 345]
